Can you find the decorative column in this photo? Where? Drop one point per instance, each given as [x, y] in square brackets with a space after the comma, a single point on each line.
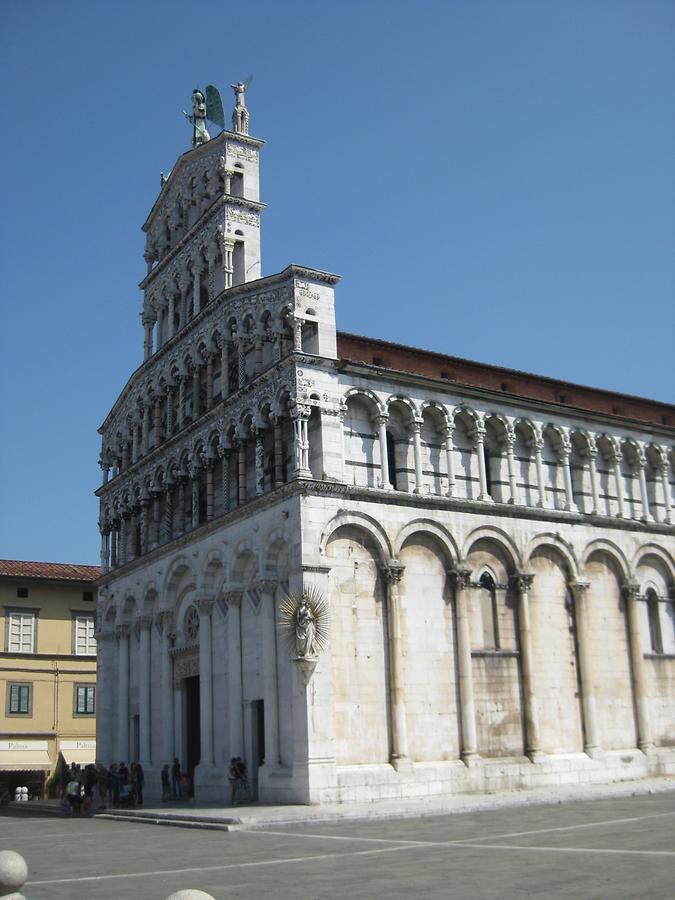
[182, 379]
[145, 530]
[234, 686]
[122, 635]
[278, 453]
[145, 434]
[104, 546]
[461, 576]
[224, 368]
[564, 453]
[592, 455]
[169, 411]
[523, 582]
[184, 285]
[478, 436]
[584, 644]
[168, 637]
[663, 472]
[382, 420]
[225, 479]
[195, 390]
[147, 343]
[266, 588]
[144, 724]
[227, 251]
[156, 495]
[637, 658]
[641, 462]
[259, 461]
[258, 344]
[211, 255]
[157, 422]
[181, 504]
[209, 382]
[615, 459]
[297, 334]
[510, 443]
[448, 432]
[168, 511]
[538, 446]
[393, 572]
[241, 361]
[205, 607]
[415, 428]
[122, 542]
[241, 469]
[209, 488]
[197, 270]
[113, 544]
[172, 315]
[194, 506]
[125, 455]
[300, 415]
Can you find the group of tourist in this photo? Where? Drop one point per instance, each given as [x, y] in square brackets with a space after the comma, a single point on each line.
[121, 786]
[118, 786]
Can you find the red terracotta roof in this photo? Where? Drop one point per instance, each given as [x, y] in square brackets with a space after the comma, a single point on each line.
[387, 355]
[16, 568]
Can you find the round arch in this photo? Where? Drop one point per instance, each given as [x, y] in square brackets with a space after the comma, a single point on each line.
[497, 536]
[359, 520]
[428, 527]
[553, 541]
[615, 553]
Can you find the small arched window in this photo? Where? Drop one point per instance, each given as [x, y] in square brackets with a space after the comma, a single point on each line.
[655, 638]
[488, 469]
[488, 608]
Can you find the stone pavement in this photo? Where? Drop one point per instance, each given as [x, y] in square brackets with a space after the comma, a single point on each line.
[255, 816]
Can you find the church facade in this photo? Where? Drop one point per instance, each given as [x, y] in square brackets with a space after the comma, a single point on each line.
[370, 571]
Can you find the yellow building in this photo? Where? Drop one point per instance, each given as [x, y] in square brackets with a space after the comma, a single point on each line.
[47, 669]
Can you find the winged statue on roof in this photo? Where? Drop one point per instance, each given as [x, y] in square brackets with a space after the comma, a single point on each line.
[207, 104]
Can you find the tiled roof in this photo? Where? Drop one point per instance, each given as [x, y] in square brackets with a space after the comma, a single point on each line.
[16, 568]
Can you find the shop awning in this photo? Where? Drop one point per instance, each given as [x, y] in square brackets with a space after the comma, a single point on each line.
[30, 760]
[83, 757]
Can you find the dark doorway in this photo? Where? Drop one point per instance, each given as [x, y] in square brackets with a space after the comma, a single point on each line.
[257, 742]
[192, 727]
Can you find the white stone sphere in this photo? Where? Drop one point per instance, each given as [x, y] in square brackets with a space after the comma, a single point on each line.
[13, 871]
[190, 894]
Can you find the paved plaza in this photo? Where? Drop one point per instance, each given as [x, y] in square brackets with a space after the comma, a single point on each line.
[615, 848]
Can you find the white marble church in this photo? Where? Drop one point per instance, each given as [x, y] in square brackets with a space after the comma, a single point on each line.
[371, 571]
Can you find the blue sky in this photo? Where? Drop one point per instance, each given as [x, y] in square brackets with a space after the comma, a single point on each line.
[493, 179]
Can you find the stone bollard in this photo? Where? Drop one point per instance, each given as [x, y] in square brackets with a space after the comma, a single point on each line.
[13, 873]
[187, 894]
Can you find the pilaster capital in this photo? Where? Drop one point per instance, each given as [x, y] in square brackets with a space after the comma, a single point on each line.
[631, 590]
[204, 605]
[265, 585]
[461, 576]
[143, 623]
[167, 621]
[579, 588]
[233, 596]
[393, 570]
[522, 581]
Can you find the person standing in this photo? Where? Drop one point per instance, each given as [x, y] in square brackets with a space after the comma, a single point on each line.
[166, 785]
[139, 782]
[176, 787]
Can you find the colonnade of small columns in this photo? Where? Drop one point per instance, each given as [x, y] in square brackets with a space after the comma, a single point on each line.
[477, 433]
[185, 497]
[189, 393]
[199, 194]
